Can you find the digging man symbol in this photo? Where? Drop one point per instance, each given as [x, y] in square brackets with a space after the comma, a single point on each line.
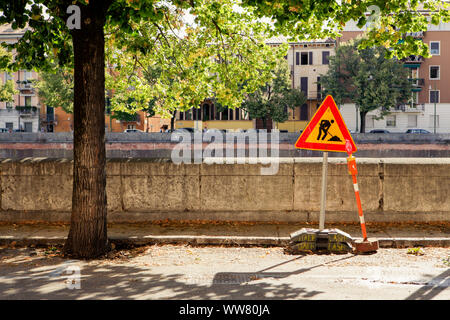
[323, 128]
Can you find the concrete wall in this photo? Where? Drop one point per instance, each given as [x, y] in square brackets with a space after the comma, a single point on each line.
[143, 190]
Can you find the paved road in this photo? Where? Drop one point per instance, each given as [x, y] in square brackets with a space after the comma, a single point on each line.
[184, 272]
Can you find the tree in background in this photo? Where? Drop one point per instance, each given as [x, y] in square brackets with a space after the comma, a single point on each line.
[273, 99]
[55, 88]
[7, 89]
[180, 63]
[366, 78]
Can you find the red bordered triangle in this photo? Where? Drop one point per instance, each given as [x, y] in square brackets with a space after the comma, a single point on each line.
[327, 131]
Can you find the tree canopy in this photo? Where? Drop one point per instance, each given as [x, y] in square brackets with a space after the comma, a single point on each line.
[221, 54]
[7, 90]
[366, 78]
[387, 22]
[274, 98]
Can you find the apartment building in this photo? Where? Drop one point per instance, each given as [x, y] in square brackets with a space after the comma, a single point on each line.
[23, 113]
[307, 61]
[429, 107]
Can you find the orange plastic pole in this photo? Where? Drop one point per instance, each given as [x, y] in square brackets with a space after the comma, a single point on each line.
[351, 163]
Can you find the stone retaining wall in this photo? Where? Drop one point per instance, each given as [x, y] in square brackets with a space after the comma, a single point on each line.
[392, 190]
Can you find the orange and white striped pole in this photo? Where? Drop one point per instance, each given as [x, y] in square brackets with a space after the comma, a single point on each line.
[351, 163]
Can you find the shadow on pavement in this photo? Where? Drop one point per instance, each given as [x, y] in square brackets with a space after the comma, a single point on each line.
[44, 278]
[432, 288]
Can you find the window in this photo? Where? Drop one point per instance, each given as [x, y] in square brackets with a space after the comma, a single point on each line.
[237, 117]
[435, 48]
[412, 120]
[28, 126]
[27, 75]
[8, 76]
[9, 104]
[297, 58]
[310, 55]
[434, 72]
[325, 57]
[304, 85]
[304, 58]
[319, 89]
[434, 96]
[304, 112]
[391, 121]
[28, 101]
[9, 126]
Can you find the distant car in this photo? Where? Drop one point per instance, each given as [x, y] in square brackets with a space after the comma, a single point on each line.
[191, 130]
[132, 130]
[379, 131]
[417, 131]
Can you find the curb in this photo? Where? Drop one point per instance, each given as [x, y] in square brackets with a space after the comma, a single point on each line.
[224, 240]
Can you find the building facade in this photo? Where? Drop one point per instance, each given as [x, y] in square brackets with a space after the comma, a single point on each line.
[23, 114]
[429, 107]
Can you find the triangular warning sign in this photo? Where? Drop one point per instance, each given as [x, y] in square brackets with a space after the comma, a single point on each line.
[327, 131]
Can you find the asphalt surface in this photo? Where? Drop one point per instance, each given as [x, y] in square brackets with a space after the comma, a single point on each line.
[225, 273]
[225, 261]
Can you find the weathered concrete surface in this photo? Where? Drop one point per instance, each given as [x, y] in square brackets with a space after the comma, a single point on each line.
[392, 190]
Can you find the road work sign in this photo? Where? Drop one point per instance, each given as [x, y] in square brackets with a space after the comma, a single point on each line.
[327, 131]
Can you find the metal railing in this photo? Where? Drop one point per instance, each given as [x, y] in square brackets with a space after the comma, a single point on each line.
[415, 107]
[417, 82]
[413, 59]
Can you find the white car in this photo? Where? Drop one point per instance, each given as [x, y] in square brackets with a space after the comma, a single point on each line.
[132, 130]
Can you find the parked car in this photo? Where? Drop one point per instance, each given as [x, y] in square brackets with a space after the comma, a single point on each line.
[379, 131]
[132, 130]
[191, 130]
[417, 131]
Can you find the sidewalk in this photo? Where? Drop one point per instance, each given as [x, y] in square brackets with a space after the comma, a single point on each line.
[228, 233]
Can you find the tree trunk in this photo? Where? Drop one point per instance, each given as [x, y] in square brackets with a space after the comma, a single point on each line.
[88, 233]
[172, 121]
[363, 114]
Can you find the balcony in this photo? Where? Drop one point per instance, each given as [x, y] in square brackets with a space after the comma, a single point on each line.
[415, 35]
[413, 61]
[417, 84]
[27, 111]
[409, 108]
[25, 85]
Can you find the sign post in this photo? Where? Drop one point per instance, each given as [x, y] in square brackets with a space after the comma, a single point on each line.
[327, 132]
[323, 193]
